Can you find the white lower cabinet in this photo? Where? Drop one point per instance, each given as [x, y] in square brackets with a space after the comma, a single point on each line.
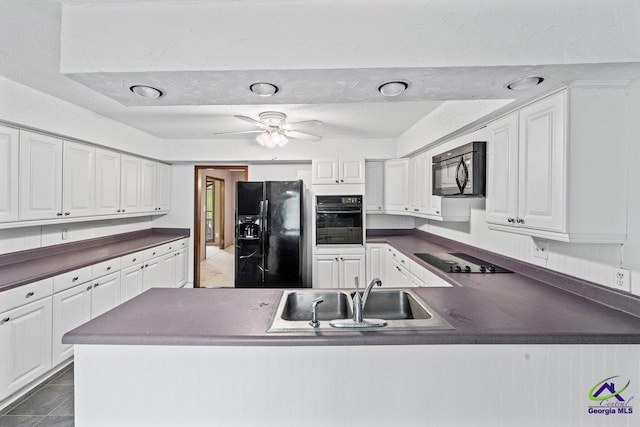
[131, 282]
[71, 308]
[105, 294]
[338, 271]
[181, 268]
[376, 261]
[25, 343]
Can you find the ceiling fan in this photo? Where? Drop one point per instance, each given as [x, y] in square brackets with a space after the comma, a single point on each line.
[274, 131]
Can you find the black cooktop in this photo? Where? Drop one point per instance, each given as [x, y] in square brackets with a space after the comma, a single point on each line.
[457, 262]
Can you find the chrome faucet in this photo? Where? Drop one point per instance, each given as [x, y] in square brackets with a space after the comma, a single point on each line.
[359, 302]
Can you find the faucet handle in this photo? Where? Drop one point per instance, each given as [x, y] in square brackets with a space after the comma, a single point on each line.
[356, 280]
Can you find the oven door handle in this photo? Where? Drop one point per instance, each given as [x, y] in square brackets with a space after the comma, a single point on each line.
[339, 211]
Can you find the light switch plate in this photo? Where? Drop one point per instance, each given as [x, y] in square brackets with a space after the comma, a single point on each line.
[622, 279]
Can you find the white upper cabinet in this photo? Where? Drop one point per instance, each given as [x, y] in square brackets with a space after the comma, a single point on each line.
[40, 176]
[545, 173]
[107, 193]
[374, 186]
[338, 171]
[9, 159]
[148, 184]
[163, 194]
[78, 179]
[396, 194]
[130, 177]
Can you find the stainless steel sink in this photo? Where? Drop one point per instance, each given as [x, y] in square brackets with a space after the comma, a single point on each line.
[401, 308]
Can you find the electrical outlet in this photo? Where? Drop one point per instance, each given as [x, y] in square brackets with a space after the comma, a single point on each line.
[65, 233]
[622, 279]
[541, 248]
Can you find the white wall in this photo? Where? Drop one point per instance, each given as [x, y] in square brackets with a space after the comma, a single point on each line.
[236, 151]
[22, 105]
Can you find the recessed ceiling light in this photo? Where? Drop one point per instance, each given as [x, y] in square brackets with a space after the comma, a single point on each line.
[264, 89]
[146, 91]
[393, 88]
[524, 83]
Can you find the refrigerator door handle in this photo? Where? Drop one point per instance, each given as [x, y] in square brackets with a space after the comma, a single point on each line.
[265, 234]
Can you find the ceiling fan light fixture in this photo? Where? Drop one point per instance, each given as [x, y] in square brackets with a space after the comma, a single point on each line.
[393, 88]
[264, 89]
[272, 138]
[524, 83]
[146, 91]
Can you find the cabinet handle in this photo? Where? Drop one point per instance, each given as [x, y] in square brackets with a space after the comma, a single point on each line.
[89, 288]
[438, 212]
[336, 258]
[415, 210]
[108, 268]
[67, 213]
[398, 268]
[336, 181]
[6, 319]
[95, 285]
[153, 254]
[29, 295]
[342, 180]
[146, 265]
[59, 214]
[118, 211]
[520, 221]
[134, 260]
[75, 279]
[141, 267]
[406, 209]
[122, 210]
[510, 219]
[402, 261]
[380, 208]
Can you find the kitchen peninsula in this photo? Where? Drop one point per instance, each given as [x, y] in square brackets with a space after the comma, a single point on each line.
[522, 353]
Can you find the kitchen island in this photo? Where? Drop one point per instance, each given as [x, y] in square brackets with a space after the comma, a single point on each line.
[522, 353]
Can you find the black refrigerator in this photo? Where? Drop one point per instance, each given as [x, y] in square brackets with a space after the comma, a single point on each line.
[269, 234]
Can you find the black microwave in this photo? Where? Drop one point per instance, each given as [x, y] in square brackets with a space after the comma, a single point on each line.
[460, 172]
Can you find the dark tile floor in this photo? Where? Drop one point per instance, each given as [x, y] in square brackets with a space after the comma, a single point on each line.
[47, 405]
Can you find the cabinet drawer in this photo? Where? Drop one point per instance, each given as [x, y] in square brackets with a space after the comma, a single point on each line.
[71, 278]
[106, 267]
[141, 256]
[171, 247]
[25, 294]
[401, 259]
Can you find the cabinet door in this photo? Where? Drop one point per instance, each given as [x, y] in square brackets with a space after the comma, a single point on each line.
[424, 178]
[25, 340]
[163, 194]
[107, 191]
[326, 273]
[374, 186]
[105, 294]
[352, 266]
[396, 175]
[168, 267]
[9, 148]
[152, 276]
[71, 308]
[148, 186]
[413, 184]
[502, 170]
[351, 171]
[78, 182]
[181, 268]
[130, 176]
[401, 277]
[324, 171]
[131, 282]
[40, 176]
[376, 261]
[541, 166]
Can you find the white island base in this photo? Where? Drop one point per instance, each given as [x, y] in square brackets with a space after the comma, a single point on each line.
[333, 386]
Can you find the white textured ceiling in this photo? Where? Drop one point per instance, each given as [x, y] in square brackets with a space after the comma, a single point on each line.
[327, 56]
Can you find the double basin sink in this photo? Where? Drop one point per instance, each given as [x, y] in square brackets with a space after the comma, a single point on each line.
[401, 308]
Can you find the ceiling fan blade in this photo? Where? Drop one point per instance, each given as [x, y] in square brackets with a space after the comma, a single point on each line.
[307, 124]
[302, 135]
[238, 133]
[252, 121]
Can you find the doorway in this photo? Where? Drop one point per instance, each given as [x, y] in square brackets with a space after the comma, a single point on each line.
[215, 224]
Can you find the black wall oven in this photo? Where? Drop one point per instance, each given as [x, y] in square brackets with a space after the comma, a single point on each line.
[339, 220]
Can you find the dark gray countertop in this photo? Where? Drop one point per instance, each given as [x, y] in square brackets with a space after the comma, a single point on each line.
[483, 309]
[20, 268]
